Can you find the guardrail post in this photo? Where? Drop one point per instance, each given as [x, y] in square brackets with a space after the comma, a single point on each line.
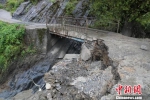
[63, 24]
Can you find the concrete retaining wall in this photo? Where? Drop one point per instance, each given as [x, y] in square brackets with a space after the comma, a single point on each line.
[39, 39]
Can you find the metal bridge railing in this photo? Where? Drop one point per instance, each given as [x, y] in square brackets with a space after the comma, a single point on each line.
[80, 24]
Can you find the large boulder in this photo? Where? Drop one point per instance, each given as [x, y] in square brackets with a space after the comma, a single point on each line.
[85, 53]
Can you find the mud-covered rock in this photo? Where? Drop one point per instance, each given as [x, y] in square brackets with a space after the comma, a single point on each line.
[73, 80]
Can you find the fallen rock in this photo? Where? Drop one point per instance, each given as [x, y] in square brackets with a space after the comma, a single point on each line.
[73, 80]
[144, 47]
[49, 96]
[85, 53]
[71, 56]
[48, 86]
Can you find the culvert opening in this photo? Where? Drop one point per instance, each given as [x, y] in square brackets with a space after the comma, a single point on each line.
[75, 47]
[60, 46]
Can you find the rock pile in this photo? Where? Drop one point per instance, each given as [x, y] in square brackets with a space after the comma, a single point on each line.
[89, 78]
[73, 80]
[96, 51]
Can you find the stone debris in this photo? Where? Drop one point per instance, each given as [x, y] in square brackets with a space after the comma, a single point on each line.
[85, 53]
[133, 69]
[72, 56]
[144, 47]
[100, 52]
[96, 51]
[48, 86]
[78, 79]
[73, 80]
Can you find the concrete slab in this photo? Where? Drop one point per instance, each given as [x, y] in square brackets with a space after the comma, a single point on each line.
[71, 56]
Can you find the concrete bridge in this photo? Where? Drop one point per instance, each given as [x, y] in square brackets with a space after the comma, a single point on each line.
[75, 27]
[68, 27]
[42, 35]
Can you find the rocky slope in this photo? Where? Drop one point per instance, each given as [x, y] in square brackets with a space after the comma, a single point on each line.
[2, 1]
[38, 13]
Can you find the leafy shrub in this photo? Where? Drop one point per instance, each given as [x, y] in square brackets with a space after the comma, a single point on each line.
[11, 5]
[34, 1]
[52, 0]
[11, 43]
[145, 20]
[1, 6]
[120, 10]
[28, 51]
[70, 6]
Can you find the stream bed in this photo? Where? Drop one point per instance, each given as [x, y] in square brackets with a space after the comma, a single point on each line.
[27, 80]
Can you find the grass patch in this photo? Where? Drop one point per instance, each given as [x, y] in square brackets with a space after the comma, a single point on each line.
[11, 5]
[70, 6]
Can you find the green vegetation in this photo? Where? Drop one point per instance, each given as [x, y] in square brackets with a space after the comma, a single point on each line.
[52, 0]
[145, 21]
[134, 11]
[34, 1]
[70, 6]
[28, 51]
[11, 5]
[11, 43]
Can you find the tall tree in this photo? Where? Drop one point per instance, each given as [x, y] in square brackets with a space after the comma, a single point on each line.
[127, 11]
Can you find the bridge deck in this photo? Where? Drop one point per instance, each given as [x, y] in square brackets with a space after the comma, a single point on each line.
[65, 29]
[72, 31]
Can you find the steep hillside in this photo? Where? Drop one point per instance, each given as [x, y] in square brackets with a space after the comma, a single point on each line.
[38, 13]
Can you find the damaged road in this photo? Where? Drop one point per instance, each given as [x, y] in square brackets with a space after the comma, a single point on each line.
[79, 79]
[76, 79]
